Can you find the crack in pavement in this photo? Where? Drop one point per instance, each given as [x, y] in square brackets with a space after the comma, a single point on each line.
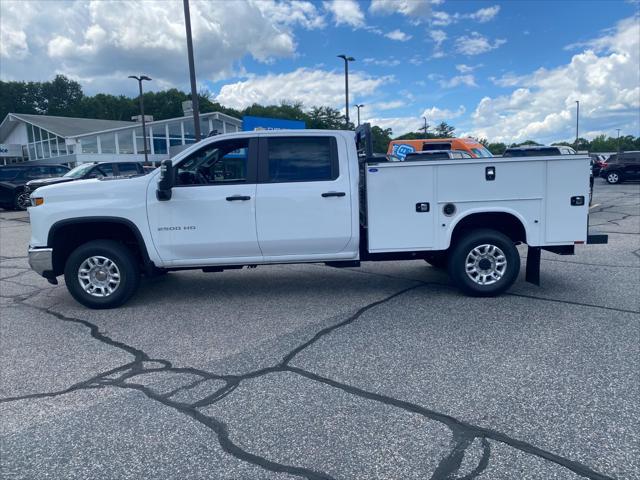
[125, 375]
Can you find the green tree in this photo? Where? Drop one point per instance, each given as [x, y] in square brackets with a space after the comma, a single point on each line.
[381, 138]
[444, 130]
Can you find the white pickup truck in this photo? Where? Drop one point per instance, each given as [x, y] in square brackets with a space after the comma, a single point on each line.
[301, 196]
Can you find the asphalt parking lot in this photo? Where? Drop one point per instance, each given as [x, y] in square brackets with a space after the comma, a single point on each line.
[381, 372]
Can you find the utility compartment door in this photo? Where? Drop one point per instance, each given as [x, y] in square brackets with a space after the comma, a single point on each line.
[567, 223]
[396, 196]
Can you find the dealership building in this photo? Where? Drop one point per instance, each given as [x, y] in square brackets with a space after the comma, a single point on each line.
[50, 139]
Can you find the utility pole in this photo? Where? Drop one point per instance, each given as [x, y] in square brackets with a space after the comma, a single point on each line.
[577, 120]
[192, 71]
[140, 79]
[359, 106]
[425, 126]
[618, 140]
[346, 59]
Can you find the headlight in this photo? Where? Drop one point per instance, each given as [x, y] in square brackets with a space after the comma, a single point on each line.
[36, 201]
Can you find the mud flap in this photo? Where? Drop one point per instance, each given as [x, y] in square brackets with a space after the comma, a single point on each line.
[533, 266]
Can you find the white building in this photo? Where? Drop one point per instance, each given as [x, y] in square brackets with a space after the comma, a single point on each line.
[50, 139]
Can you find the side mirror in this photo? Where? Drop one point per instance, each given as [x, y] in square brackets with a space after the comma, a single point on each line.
[166, 182]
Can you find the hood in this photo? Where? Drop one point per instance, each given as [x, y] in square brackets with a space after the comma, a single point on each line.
[93, 188]
[41, 182]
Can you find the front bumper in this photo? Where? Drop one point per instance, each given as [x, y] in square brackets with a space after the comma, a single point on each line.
[41, 260]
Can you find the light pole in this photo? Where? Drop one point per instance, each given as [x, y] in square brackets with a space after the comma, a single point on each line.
[140, 79]
[359, 106]
[577, 120]
[346, 84]
[192, 71]
[618, 141]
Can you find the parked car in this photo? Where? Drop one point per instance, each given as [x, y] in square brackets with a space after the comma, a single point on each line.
[270, 197]
[436, 155]
[90, 170]
[598, 162]
[537, 150]
[401, 148]
[13, 179]
[621, 167]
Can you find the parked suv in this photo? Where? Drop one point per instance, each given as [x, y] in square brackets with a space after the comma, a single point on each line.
[621, 167]
[13, 179]
[90, 170]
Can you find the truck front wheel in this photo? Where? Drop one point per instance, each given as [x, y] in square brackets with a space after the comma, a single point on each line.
[484, 263]
[102, 274]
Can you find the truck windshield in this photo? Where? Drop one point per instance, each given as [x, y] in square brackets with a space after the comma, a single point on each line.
[79, 171]
[8, 174]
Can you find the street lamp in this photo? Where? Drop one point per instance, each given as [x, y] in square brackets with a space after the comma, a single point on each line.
[346, 83]
[192, 71]
[140, 79]
[359, 106]
[577, 120]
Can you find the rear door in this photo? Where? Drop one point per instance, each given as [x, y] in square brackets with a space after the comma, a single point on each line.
[303, 197]
[631, 165]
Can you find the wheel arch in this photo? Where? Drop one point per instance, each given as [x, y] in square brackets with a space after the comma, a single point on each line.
[66, 235]
[507, 222]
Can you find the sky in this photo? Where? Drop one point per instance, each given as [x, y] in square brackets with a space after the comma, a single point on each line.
[506, 71]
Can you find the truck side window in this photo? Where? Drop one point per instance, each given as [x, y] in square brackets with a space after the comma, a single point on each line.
[217, 163]
[302, 159]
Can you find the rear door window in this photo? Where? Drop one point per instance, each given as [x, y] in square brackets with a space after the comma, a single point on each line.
[126, 169]
[300, 159]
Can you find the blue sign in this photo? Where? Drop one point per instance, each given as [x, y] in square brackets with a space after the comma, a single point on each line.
[250, 123]
[400, 150]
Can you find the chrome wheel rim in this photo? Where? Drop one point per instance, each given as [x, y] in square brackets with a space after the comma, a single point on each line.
[613, 177]
[486, 264]
[24, 201]
[99, 276]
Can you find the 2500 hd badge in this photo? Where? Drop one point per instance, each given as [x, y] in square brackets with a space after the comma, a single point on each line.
[173, 229]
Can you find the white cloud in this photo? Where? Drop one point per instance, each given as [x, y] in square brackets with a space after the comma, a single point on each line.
[438, 36]
[311, 87]
[101, 42]
[476, 44]
[604, 78]
[292, 12]
[389, 105]
[398, 35]
[416, 10]
[442, 19]
[462, 68]
[346, 12]
[468, 80]
[384, 62]
[485, 14]
[402, 125]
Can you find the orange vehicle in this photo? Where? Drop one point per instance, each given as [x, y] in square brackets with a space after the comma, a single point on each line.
[400, 148]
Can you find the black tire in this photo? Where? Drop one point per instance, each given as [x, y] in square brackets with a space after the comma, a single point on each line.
[21, 200]
[116, 253]
[438, 260]
[613, 177]
[476, 239]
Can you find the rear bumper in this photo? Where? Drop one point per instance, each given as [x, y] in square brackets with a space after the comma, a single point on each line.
[41, 261]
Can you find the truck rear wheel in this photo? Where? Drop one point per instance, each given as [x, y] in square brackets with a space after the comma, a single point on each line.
[484, 263]
[102, 274]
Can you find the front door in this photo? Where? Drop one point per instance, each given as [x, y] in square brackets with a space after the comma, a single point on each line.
[303, 204]
[210, 217]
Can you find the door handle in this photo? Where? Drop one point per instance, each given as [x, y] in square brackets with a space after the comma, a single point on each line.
[333, 194]
[238, 197]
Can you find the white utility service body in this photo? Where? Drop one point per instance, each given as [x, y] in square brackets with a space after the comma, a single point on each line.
[363, 210]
